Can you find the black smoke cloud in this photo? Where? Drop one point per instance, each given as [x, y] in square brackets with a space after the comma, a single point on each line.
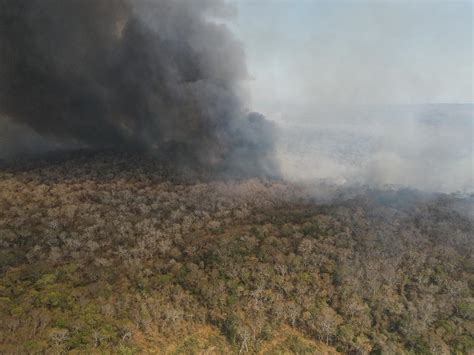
[153, 75]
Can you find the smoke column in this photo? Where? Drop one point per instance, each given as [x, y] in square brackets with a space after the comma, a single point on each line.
[149, 75]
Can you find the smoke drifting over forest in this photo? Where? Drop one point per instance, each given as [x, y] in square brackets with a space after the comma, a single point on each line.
[427, 147]
[165, 77]
[160, 76]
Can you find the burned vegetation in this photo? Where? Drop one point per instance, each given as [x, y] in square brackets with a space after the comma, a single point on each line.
[113, 253]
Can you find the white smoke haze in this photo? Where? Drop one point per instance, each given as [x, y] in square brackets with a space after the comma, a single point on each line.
[366, 92]
[424, 147]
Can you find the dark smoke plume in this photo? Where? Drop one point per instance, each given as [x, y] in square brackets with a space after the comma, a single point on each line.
[154, 75]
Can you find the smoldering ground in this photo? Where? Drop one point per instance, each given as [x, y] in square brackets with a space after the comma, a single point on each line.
[160, 76]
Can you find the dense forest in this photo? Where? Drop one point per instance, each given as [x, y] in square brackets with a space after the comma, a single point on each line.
[114, 253]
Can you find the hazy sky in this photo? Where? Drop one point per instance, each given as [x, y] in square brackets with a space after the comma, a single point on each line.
[304, 53]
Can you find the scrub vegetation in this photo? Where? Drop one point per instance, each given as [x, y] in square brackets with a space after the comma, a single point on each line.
[114, 253]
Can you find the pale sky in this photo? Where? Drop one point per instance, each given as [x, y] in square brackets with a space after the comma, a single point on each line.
[304, 53]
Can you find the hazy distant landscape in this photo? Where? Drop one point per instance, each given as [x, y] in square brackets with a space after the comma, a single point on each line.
[420, 146]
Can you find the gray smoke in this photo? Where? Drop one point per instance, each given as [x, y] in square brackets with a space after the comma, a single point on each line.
[153, 75]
